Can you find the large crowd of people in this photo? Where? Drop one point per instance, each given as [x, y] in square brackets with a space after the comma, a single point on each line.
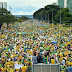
[33, 42]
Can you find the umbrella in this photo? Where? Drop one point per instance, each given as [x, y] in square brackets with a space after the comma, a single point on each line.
[16, 26]
[47, 48]
[41, 31]
[46, 25]
[4, 48]
[55, 32]
[29, 33]
[55, 42]
[53, 52]
[24, 32]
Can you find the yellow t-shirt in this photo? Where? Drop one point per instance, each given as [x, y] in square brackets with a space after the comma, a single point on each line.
[70, 63]
[3, 60]
[11, 70]
[17, 47]
[3, 69]
[20, 57]
[24, 68]
[2, 36]
[62, 58]
[11, 63]
[52, 61]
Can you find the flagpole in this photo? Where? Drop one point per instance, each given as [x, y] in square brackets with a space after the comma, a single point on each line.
[10, 8]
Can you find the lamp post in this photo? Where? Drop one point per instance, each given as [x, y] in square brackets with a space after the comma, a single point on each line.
[48, 18]
[10, 8]
[45, 18]
[52, 16]
[60, 15]
[41, 17]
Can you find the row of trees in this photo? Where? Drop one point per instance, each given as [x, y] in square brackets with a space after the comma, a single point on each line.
[53, 13]
[23, 18]
[6, 17]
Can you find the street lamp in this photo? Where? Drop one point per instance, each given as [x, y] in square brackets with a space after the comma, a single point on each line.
[60, 15]
[52, 16]
[48, 18]
[41, 17]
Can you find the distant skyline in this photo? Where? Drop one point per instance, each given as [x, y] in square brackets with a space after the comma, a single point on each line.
[26, 7]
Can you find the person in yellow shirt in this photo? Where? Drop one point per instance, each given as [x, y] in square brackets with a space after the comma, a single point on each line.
[17, 47]
[3, 60]
[24, 68]
[12, 63]
[52, 60]
[7, 65]
[20, 57]
[70, 63]
[3, 69]
[11, 69]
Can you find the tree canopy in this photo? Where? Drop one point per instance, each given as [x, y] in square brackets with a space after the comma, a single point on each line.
[49, 10]
[23, 18]
[6, 17]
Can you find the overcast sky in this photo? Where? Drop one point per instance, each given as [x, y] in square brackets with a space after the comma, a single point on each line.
[26, 7]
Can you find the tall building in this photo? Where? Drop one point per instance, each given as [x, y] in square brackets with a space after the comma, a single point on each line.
[69, 5]
[3, 4]
[54, 3]
[65, 4]
[61, 3]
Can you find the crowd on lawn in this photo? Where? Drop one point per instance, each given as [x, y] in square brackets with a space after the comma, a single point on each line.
[33, 42]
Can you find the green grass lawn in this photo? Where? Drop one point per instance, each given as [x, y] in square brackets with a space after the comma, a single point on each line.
[67, 27]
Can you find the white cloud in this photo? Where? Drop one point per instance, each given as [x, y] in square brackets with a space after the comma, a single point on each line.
[23, 3]
[23, 13]
[36, 3]
[24, 8]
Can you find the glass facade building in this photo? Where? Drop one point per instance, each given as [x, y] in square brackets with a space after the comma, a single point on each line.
[65, 4]
[69, 5]
[61, 3]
